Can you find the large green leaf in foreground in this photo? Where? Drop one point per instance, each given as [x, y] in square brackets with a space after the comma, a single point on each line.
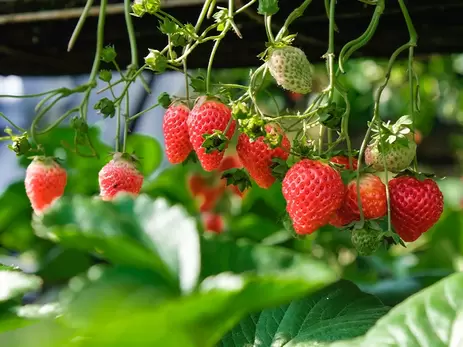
[337, 312]
[235, 279]
[432, 317]
[142, 233]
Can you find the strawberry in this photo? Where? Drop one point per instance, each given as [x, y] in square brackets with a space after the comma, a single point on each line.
[343, 215]
[257, 155]
[207, 117]
[45, 182]
[344, 161]
[119, 175]
[175, 128]
[313, 192]
[372, 195]
[398, 157]
[209, 197]
[213, 222]
[366, 242]
[396, 150]
[196, 184]
[291, 69]
[415, 206]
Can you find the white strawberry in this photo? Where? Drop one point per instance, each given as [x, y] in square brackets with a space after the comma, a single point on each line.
[291, 69]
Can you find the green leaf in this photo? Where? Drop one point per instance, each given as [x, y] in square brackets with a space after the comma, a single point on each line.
[336, 312]
[15, 283]
[432, 317]
[51, 265]
[168, 27]
[236, 276]
[119, 291]
[148, 150]
[15, 230]
[9, 320]
[198, 84]
[171, 184]
[244, 256]
[137, 232]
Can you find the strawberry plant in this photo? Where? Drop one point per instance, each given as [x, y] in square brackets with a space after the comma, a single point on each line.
[272, 227]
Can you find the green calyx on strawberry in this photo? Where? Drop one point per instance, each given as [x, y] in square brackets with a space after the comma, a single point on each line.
[240, 110]
[217, 141]
[238, 178]
[156, 61]
[279, 168]
[252, 126]
[392, 147]
[366, 240]
[290, 68]
[164, 100]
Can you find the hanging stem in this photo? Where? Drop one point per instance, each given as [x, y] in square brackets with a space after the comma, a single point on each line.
[126, 122]
[329, 55]
[80, 24]
[18, 128]
[381, 88]
[99, 42]
[413, 41]
[118, 129]
[131, 33]
[268, 28]
[213, 53]
[298, 12]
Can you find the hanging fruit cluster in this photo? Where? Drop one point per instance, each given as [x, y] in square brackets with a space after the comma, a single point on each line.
[324, 180]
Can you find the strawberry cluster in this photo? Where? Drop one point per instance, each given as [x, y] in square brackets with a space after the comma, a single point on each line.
[46, 180]
[318, 190]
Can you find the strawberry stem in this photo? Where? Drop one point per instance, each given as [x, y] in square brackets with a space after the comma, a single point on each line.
[131, 33]
[126, 122]
[80, 24]
[298, 12]
[268, 29]
[12, 124]
[413, 41]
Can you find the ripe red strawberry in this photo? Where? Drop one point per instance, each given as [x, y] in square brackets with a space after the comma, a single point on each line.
[344, 161]
[206, 117]
[209, 197]
[415, 206]
[119, 175]
[257, 156]
[196, 184]
[343, 216]
[372, 194]
[45, 182]
[176, 136]
[313, 192]
[213, 222]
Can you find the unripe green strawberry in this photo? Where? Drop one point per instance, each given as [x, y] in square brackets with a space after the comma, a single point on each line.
[45, 182]
[398, 156]
[366, 242]
[392, 147]
[291, 69]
